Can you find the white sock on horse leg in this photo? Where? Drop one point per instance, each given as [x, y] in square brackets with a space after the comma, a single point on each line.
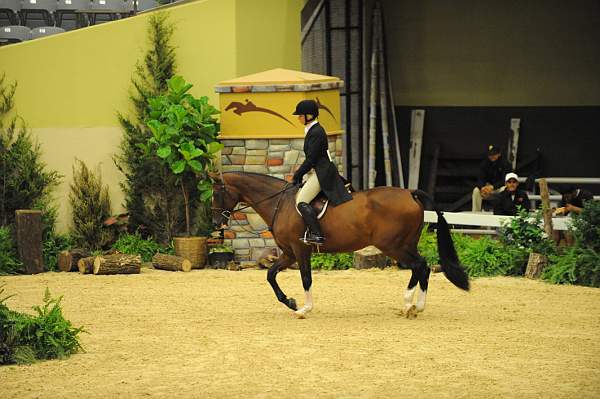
[408, 295]
[308, 303]
[421, 300]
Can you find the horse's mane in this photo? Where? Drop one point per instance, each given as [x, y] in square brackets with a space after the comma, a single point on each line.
[255, 174]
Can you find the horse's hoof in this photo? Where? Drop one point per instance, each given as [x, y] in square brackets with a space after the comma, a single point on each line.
[411, 312]
[292, 304]
[300, 315]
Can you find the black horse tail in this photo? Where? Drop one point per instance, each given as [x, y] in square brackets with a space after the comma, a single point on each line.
[448, 258]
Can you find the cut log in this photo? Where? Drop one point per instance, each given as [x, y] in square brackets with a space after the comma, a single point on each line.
[64, 261]
[29, 240]
[68, 260]
[117, 264]
[369, 257]
[171, 262]
[535, 265]
[86, 265]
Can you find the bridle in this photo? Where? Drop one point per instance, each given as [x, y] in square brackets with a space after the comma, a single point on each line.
[226, 213]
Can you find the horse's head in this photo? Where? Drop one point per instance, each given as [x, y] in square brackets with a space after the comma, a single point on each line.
[225, 198]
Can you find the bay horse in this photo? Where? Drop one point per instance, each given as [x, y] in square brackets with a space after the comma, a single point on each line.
[389, 218]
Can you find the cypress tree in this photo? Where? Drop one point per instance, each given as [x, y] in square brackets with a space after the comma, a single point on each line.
[151, 196]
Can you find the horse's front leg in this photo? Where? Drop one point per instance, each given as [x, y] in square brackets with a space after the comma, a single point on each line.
[281, 263]
[306, 274]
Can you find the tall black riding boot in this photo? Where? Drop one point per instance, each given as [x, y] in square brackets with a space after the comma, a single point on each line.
[314, 235]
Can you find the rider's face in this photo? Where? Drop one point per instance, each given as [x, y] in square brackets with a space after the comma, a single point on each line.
[302, 119]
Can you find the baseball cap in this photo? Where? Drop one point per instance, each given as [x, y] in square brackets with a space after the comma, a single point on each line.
[511, 175]
[493, 150]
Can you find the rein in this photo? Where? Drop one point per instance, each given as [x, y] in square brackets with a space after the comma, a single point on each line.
[227, 214]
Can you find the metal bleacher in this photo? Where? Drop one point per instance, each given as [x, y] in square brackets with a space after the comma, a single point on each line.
[22, 20]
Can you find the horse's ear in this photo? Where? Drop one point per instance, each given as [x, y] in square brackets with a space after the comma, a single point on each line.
[216, 176]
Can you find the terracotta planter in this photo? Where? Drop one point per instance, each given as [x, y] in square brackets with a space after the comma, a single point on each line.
[192, 248]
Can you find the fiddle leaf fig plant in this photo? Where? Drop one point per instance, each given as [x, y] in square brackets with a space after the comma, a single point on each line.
[184, 137]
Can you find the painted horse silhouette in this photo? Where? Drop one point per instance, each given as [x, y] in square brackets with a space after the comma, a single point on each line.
[389, 218]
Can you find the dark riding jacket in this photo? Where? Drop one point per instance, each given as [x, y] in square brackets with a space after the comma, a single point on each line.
[493, 172]
[505, 202]
[315, 149]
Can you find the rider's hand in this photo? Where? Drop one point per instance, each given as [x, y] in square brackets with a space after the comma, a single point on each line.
[297, 179]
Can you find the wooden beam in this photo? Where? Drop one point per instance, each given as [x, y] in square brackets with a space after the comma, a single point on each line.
[417, 119]
[515, 124]
[546, 209]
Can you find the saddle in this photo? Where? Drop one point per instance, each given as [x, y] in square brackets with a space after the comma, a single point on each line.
[319, 204]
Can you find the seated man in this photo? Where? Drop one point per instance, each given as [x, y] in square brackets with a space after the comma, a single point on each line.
[573, 200]
[491, 177]
[507, 201]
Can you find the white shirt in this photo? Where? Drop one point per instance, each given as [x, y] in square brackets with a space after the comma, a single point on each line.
[311, 124]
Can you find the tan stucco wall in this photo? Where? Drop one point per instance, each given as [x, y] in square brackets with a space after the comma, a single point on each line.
[471, 53]
[71, 86]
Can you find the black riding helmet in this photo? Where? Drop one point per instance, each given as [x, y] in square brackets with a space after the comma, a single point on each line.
[307, 107]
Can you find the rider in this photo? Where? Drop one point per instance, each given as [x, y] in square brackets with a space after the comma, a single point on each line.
[326, 177]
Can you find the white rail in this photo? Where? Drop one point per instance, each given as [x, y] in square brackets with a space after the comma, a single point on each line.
[482, 219]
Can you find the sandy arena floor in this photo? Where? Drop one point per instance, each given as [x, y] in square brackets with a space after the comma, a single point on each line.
[214, 333]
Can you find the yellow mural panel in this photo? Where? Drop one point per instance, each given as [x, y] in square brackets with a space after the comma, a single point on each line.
[265, 115]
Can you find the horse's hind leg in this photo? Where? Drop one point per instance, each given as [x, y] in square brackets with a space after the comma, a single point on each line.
[420, 274]
[423, 284]
[281, 263]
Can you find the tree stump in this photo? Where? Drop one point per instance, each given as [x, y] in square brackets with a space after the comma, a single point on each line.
[29, 240]
[86, 265]
[171, 262]
[369, 257]
[68, 260]
[117, 264]
[535, 265]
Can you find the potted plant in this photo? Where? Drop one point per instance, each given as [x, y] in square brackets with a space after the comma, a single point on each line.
[219, 256]
[184, 137]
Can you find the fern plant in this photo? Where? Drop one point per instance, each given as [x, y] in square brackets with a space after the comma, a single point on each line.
[46, 335]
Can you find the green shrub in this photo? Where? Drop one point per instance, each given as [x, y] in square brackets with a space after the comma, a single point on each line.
[428, 246]
[579, 264]
[488, 257]
[586, 226]
[561, 267]
[45, 335]
[135, 244]
[325, 261]
[91, 207]
[481, 257]
[9, 261]
[524, 231]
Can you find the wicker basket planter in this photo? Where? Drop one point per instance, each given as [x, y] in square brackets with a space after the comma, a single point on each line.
[192, 248]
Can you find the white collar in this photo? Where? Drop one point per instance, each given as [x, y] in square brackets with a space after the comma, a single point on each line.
[311, 124]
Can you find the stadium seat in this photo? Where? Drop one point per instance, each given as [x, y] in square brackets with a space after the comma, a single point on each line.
[11, 8]
[143, 5]
[43, 31]
[77, 8]
[44, 7]
[14, 34]
[111, 8]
